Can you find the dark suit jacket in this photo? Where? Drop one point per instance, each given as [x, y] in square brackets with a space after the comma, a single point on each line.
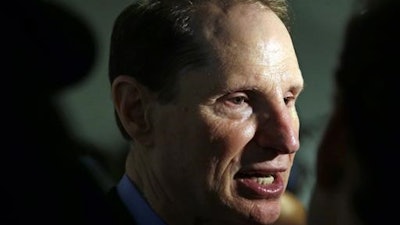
[118, 209]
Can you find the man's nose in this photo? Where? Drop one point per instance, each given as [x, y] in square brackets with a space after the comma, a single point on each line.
[278, 129]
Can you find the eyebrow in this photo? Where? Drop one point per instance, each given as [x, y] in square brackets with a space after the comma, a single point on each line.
[298, 88]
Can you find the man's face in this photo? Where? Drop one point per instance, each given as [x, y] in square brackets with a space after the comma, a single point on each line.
[224, 148]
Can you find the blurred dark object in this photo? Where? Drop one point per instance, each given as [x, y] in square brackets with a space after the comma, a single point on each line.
[44, 180]
[48, 45]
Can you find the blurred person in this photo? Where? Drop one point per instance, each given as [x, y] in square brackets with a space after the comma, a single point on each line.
[44, 177]
[205, 93]
[358, 154]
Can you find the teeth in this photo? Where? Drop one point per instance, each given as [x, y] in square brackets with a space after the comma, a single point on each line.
[264, 180]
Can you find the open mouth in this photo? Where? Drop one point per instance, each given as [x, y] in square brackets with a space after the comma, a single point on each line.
[262, 179]
[259, 185]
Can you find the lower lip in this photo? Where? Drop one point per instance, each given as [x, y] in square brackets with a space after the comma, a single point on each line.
[251, 189]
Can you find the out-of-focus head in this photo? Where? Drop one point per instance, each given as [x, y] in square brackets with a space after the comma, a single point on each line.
[49, 47]
[367, 81]
[367, 70]
[360, 143]
[207, 90]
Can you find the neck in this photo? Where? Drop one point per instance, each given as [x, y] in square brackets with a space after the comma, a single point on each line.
[147, 182]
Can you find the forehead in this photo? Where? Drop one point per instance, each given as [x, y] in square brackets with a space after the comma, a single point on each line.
[216, 22]
[248, 47]
[239, 27]
[244, 35]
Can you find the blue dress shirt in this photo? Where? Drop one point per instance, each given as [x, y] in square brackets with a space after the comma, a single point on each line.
[136, 204]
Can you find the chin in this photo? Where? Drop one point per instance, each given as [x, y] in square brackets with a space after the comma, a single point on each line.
[263, 212]
[267, 216]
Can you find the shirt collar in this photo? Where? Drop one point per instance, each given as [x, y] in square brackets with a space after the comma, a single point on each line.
[138, 207]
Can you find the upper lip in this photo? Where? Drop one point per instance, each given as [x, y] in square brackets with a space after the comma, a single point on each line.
[261, 170]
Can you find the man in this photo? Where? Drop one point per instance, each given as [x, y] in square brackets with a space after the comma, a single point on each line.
[205, 91]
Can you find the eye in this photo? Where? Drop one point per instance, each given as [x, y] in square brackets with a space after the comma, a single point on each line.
[236, 99]
[292, 95]
[289, 100]
[235, 105]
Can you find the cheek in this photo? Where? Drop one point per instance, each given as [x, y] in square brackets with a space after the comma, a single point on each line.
[239, 136]
[182, 154]
[295, 120]
[232, 136]
[226, 151]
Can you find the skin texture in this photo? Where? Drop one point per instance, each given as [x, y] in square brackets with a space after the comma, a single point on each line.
[235, 115]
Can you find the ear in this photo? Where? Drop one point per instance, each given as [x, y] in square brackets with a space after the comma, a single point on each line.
[131, 101]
